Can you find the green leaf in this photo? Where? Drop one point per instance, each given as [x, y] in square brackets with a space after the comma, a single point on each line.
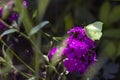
[6, 11]
[112, 33]
[46, 58]
[24, 15]
[32, 78]
[34, 14]
[115, 14]
[7, 55]
[2, 60]
[38, 27]
[9, 31]
[42, 5]
[93, 31]
[104, 12]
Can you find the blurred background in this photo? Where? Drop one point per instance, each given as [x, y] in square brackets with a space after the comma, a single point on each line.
[63, 15]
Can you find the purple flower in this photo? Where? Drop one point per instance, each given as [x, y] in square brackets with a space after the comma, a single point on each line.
[79, 52]
[2, 26]
[25, 3]
[74, 65]
[14, 16]
[52, 52]
[1, 10]
[76, 33]
[76, 48]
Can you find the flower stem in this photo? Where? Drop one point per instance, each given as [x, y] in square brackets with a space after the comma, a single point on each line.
[17, 56]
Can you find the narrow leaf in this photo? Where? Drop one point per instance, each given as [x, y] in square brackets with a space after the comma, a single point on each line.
[32, 78]
[7, 55]
[38, 27]
[34, 14]
[2, 60]
[9, 31]
[42, 5]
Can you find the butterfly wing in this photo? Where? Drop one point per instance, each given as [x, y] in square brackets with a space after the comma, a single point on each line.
[94, 30]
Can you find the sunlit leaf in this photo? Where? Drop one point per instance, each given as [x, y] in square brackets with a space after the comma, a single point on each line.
[62, 76]
[32, 78]
[2, 60]
[6, 11]
[42, 5]
[34, 14]
[9, 31]
[38, 27]
[94, 30]
[46, 58]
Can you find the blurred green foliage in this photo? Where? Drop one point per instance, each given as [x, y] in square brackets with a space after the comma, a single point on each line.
[62, 15]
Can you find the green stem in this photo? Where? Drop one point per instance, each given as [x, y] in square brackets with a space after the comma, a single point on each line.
[20, 72]
[38, 53]
[17, 56]
[3, 22]
[24, 74]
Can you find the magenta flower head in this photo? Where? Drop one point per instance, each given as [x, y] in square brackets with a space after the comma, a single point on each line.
[14, 16]
[52, 52]
[25, 3]
[2, 26]
[79, 52]
[1, 10]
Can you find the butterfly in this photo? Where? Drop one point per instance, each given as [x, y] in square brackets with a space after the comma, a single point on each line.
[94, 30]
